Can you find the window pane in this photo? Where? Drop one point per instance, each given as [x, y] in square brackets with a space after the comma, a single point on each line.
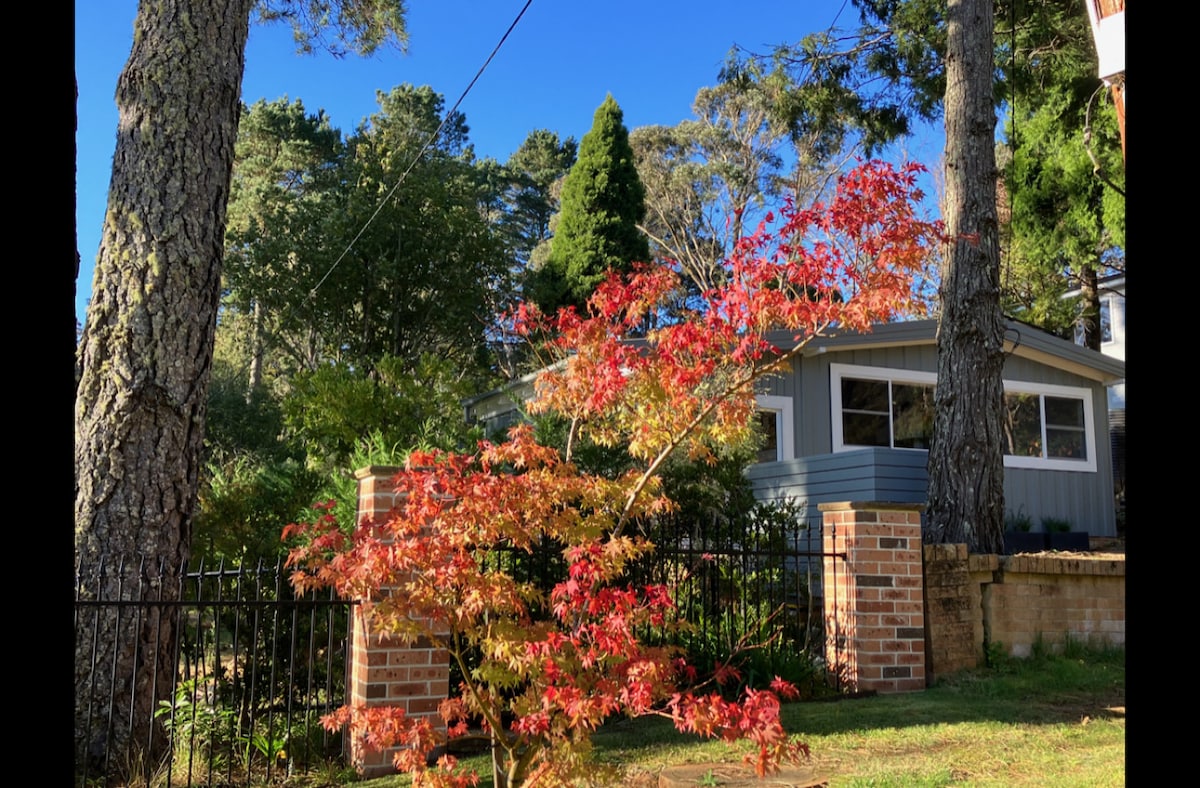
[869, 395]
[865, 413]
[1064, 412]
[1023, 425]
[912, 415]
[1065, 428]
[1106, 320]
[768, 423]
[864, 429]
[1066, 443]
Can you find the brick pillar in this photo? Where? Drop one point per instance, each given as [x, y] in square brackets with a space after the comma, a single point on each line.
[382, 670]
[874, 611]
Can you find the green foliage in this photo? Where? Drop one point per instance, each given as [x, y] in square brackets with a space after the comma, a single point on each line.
[536, 171]
[381, 244]
[603, 201]
[1018, 521]
[341, 486]
[1063, 169]
[206, 729]
[199, 727]
[244, 503]
[1056, 525]
[872, 84]
[240, 422]
[361, 26]
[331, 410]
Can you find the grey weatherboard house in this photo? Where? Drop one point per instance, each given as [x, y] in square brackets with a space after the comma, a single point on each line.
[852, 418]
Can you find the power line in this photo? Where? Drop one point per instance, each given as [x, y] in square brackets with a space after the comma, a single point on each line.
[312, 293]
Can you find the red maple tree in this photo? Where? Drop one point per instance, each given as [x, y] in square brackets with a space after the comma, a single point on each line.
[541, 683]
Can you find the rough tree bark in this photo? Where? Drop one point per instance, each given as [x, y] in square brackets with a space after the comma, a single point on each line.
[966, 461]
[147, 349]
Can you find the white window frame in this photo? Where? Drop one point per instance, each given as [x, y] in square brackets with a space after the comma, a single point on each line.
[1087, 465]
[785, 419]
[839, 371]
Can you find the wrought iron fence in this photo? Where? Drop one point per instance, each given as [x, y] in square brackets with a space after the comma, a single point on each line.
[754, 596]
[255, 668]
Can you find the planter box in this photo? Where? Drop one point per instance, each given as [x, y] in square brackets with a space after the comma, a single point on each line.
[1076, 541]
[1024, 542]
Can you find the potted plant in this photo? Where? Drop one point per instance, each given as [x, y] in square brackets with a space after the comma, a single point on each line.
[1059, 535]
[1019, 536]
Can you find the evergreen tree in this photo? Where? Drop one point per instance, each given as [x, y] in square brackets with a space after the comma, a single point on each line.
[1064, 174]
[603, 201]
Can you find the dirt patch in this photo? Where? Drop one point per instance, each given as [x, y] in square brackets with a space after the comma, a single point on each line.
[726, 775]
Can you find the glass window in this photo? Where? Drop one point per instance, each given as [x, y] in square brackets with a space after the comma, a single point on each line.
[774, 421]
[1065, 431]
[1046, 426]
[865, 412]
[768, 424]
[1023, 425]
[912, 415]
[883, 413]
[1106, 334]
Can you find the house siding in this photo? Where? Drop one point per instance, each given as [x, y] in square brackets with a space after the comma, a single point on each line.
[1085, 499]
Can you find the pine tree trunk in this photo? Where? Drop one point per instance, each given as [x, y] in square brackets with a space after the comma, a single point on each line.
[146, 354]
[256, 352]
[966, 460]
[1089, 297]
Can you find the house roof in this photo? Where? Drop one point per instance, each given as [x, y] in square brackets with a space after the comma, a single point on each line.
[1105, 284]
[1020, 339]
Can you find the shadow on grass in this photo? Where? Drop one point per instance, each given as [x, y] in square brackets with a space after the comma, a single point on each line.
[1041, 690]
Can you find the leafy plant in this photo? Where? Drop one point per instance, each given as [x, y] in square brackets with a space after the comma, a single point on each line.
[1056, 525]
[199, 727]
[1018, 521]
[271, 745]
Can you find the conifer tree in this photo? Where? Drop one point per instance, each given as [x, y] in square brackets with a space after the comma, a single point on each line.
[603, 201]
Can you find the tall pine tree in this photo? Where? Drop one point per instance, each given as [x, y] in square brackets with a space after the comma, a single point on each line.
[603, 201]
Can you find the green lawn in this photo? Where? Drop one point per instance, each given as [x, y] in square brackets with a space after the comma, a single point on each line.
[1046, 721]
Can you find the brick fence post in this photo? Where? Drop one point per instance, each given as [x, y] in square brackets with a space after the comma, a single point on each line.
[381, 670]
[874, 608]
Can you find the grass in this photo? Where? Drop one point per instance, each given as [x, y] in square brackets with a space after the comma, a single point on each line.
[1049, 721]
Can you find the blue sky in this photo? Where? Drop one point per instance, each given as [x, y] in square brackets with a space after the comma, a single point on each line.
[554, 69]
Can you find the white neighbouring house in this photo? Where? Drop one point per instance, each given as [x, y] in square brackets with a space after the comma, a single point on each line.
[1112, 343]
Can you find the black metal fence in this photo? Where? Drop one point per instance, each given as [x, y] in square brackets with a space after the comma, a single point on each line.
[256, 667]
[754, 595]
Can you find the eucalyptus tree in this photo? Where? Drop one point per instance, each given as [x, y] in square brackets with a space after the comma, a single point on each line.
[146, 350]
[711, 179]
